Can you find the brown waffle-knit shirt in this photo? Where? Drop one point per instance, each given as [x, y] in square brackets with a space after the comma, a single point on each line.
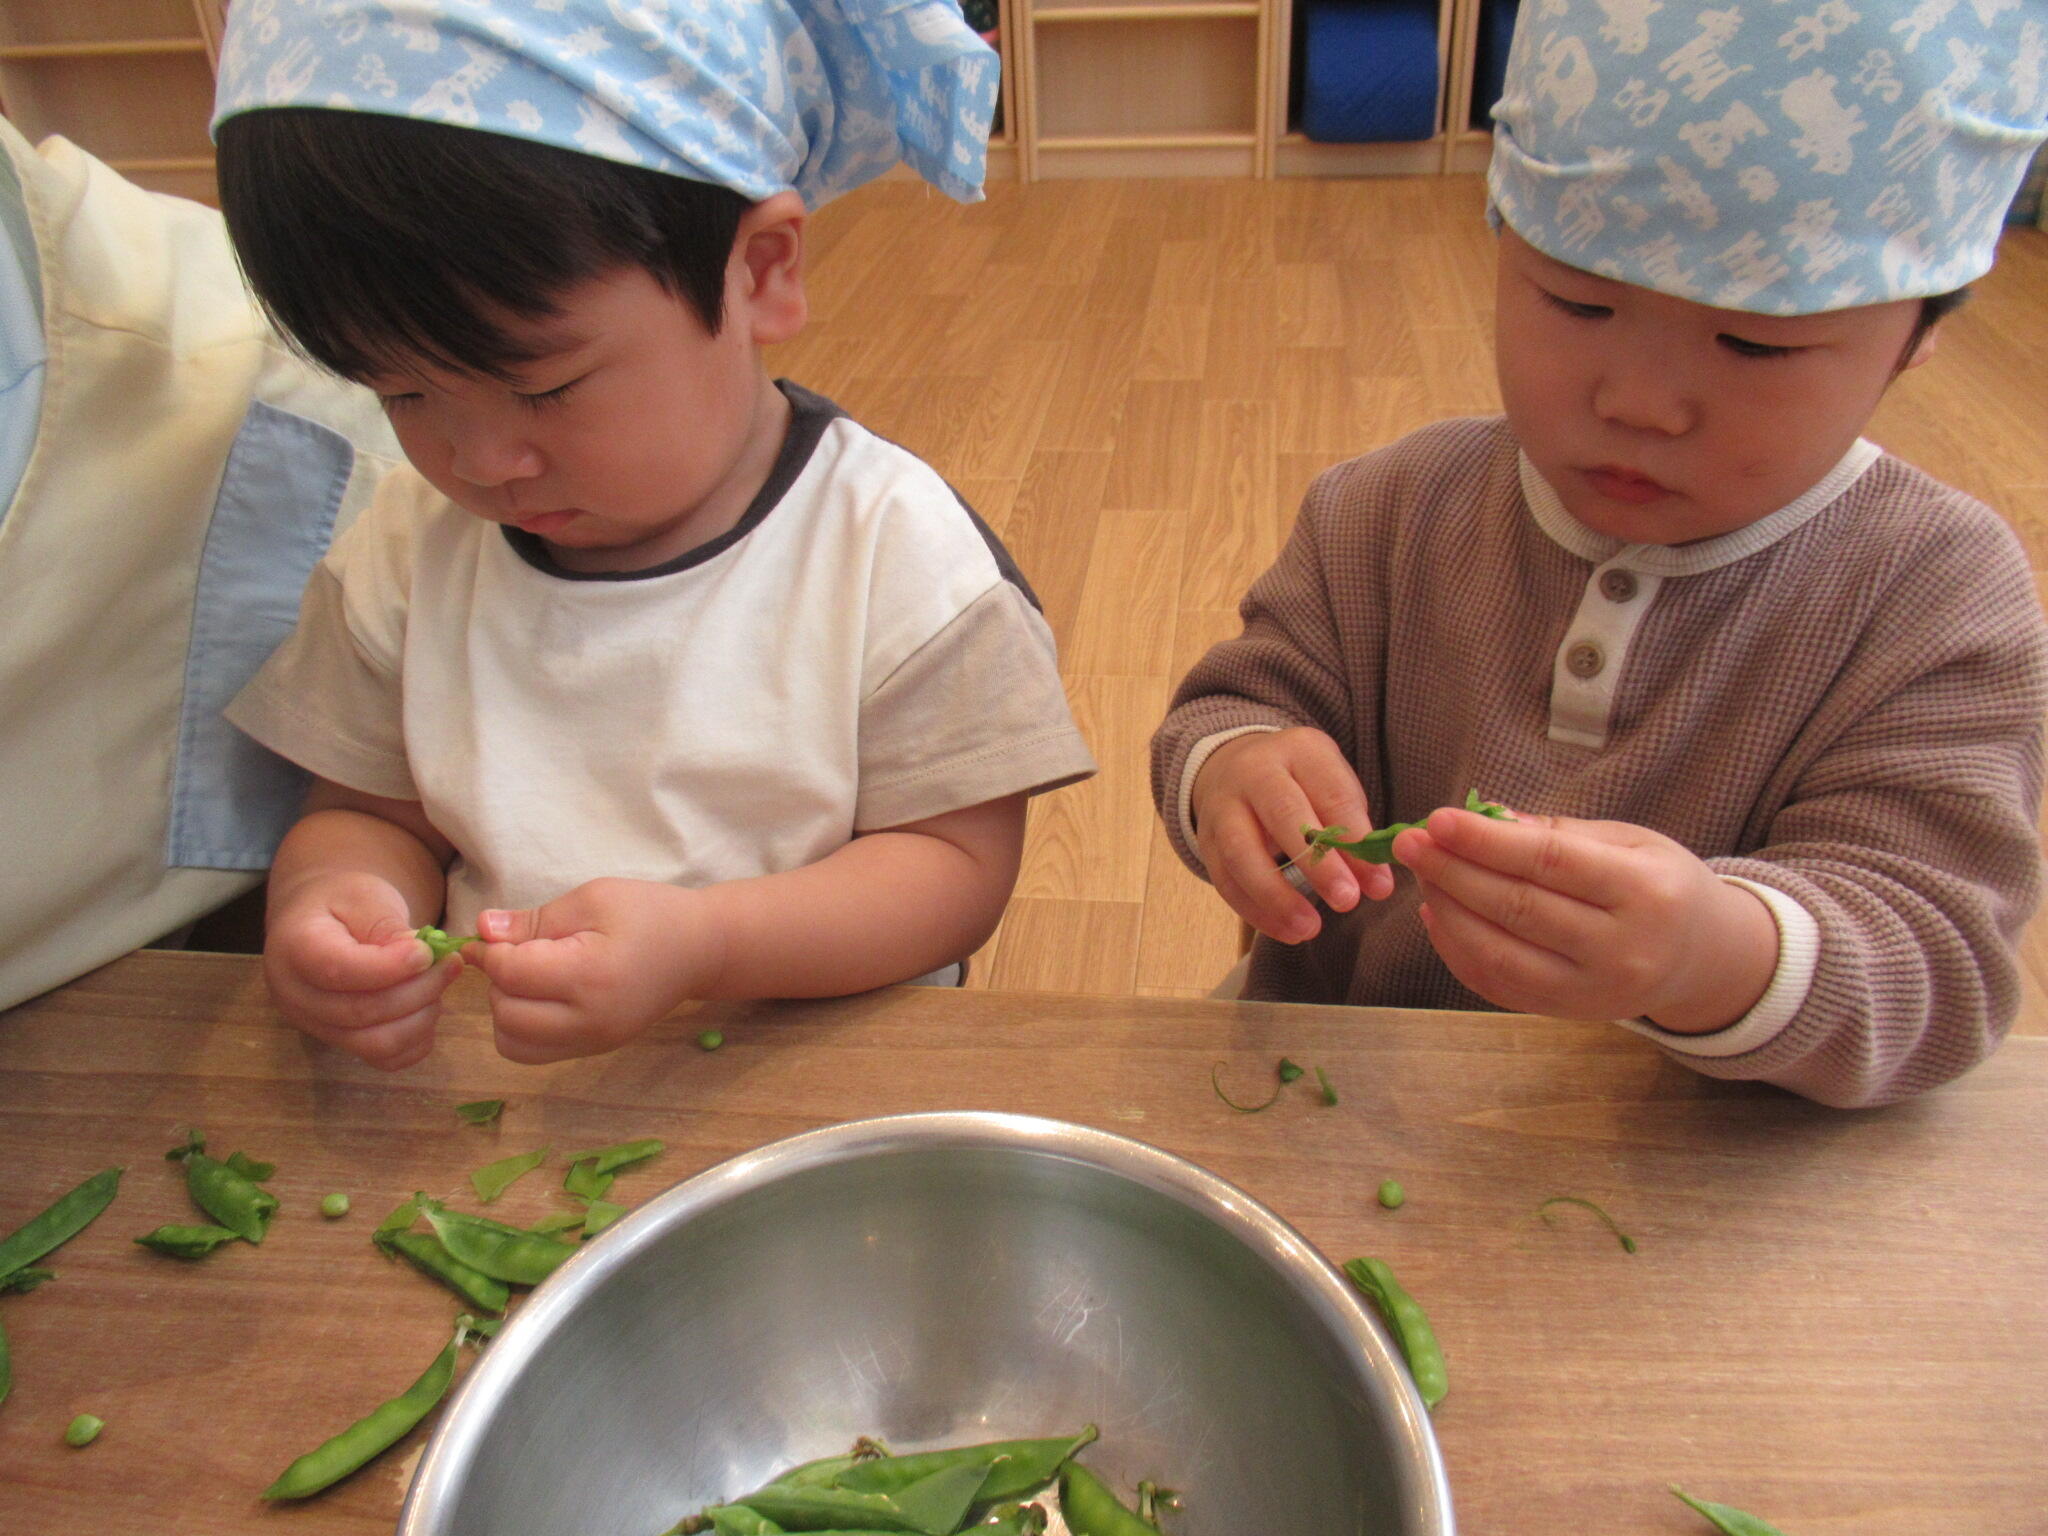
[1849, 714]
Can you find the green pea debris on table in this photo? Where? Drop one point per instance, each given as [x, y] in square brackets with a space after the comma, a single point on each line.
[979, 1488]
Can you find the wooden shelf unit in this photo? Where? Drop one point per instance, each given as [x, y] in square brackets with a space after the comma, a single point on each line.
[129, 80]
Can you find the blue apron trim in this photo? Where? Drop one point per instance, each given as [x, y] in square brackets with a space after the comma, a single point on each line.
[232, 801]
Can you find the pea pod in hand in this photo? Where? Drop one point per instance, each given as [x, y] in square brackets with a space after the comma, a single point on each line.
[1377, 846]
[1411, 1326]
[378, 1430]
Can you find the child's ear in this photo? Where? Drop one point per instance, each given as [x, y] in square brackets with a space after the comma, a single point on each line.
[1923, 349]
[766, 281]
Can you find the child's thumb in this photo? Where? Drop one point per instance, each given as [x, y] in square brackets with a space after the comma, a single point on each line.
[500, 927]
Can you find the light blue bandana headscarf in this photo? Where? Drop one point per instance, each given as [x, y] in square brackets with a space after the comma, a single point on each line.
[756, 95]
[1777, 156]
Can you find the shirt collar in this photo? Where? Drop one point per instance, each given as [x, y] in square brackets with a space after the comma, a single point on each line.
[1706, 555]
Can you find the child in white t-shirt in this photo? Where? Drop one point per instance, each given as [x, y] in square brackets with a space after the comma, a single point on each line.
[666, 679]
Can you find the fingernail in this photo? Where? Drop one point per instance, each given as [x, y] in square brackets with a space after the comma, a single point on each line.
[492, 926]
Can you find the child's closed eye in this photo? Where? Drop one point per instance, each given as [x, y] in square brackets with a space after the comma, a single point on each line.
[1575, 309]
[1742, 347]
[542, 399]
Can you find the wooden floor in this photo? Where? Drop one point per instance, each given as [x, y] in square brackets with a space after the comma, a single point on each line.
[1135, 381]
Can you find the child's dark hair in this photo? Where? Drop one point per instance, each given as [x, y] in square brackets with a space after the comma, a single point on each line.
[375, 242]
[1935, 308]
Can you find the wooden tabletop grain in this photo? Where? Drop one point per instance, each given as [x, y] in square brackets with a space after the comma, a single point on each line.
[1835, 1320]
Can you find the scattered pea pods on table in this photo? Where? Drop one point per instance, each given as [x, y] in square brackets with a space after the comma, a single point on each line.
[378, 1430]
[1090, 1509]
[232, 1199]
[57, 1223]
[187, 1242]
[430, 1257]
[502, 1252]
[1410, 1324]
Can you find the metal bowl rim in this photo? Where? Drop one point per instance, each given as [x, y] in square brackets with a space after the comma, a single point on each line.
[1417, 1461]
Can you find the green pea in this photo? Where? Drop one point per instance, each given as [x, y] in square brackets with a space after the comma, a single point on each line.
[1410, 1324]
[710, 1040]
[1092, 1510]
[334, 1206]
[83, 1430]
[378, 1430]
[1392, 1195]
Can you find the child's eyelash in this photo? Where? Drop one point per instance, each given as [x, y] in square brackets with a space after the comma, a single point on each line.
[1742, 348]
[548, 397]
[1576, 310]
[397, 402]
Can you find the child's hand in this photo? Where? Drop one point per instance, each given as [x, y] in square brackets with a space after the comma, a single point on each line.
[1251, 800]
[591, 969]
[344, 964]
[1589, 920]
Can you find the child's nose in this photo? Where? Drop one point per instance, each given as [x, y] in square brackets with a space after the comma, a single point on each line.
[488, 458]
[1646, 396]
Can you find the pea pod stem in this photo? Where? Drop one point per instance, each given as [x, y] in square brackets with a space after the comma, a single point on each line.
[1628, 1244]
[377, 1431]
[1409, 1323]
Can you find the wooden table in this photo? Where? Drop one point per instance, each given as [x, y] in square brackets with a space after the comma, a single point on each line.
[1836, 1320]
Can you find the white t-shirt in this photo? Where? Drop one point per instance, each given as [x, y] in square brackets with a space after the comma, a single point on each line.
[858, 652]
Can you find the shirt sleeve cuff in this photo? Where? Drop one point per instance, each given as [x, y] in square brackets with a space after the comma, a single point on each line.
[1798, 954]
[1184, 800]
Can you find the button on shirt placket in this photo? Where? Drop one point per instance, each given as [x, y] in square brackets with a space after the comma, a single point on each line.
[1596, 642]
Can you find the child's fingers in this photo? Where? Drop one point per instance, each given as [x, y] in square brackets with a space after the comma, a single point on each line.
[1535, 913]
[536, 1031]
[1238, 852]
[1556, 856]
[328, 952]
[553, 969]
[1335, 799]
[1506, 970]
[390, 1046]
[346, 1011]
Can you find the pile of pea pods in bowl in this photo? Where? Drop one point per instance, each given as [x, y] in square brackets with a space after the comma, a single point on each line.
[939, 1280]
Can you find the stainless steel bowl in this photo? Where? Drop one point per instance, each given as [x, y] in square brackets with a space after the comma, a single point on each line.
[934, 1280]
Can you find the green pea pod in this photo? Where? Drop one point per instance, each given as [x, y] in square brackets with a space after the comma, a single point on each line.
[1012, 1520]
[25, 1280]
[1411, 1326]
[233, 1201]
[738, 1520]
[493, 1179]
[559, 1221]
[187, 1242]
[502, 1252]
[57, 1223]
[822, 1473]
[249, 1168]
[933, 1506]
[601, 1214]
[441, 945]
[585, 1182]
[430, 1257]
[479, 1111]
[1092, 1510]
[1015, 1466]
[619, 1154]
[1377, 847]
[1729, 1520]
[399, 1220]
[378, 1430]
[6, 1368]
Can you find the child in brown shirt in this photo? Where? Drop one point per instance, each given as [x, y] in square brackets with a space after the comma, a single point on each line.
[1766, 703]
